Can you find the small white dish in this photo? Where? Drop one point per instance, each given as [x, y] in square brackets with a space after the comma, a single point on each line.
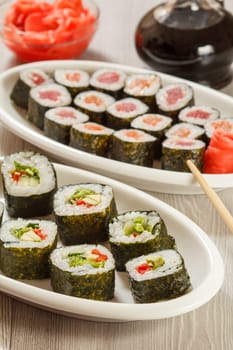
[201, 257]
[150, 179]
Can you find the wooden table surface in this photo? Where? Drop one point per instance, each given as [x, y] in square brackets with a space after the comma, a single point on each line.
[25, 327]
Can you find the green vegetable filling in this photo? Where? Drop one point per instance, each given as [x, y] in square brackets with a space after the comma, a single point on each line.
[81, 258]
[136, 226]
[31, 232]
[85, 196]
[151, 264]
[24, 171]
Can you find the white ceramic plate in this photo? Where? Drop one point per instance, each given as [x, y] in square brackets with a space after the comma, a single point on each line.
[202, 260]
[151, 179]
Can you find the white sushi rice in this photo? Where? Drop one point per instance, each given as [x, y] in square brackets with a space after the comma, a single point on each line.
[142, 84]
[59, 259]
[186, 130]
[182, 143]
[64, 77]
[199, 115]
[62, 196]
[173, 263]
[93, 128]
[10, 240]
[162, 94]
[116, 227]
[40, 162]
[137, 109]
[108, 84]
[157, 122]
[99, 103]
[66, 115]
[44, 95]
[128, 135]
[225, 125]
[32, 76]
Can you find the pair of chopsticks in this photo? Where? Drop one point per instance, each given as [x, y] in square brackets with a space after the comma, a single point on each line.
[212, 195]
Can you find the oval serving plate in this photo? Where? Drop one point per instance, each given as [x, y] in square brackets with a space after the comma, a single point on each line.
[206, 272]
[151, 179]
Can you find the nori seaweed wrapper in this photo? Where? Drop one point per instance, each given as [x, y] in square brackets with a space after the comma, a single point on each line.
[36, 112]
[20, 93]
[174, 159]
[137, 153]
[124, 251]
[92, 143]
[86, 227]
[31, 206]
[168, 286]
[25, 263]
[57, 131]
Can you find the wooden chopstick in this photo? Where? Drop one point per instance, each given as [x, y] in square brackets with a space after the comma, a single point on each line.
[212, 195]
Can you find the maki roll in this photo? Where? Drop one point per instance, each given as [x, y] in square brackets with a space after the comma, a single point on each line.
[198, 115]
[174, 97]
[43, 97]
[157, 276]
[91, 137]
[186, 130]
[58, 122]
[94, 104]
[154, 124]
[29, 183]
[109, 81]
[132, 146]
[28, 78]
[144, 87]
[121, 113]
[83, 271]
[224, 124]
[75, 80]
[25, 246]
[135, 233]
[176, 151]
[83, 211]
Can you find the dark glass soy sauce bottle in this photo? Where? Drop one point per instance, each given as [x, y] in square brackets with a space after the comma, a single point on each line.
[192, 39]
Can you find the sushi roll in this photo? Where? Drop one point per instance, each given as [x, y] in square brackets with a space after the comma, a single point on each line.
[157, 276]
[176, 151]
[28, 78]
[198, 115]
[43, 97]
[75, 80]
[154, 124]
[132, 146]
[83, 211]
[109, 81]
[94, 104]
[174, 97]
[144, 87]
[29, 183]
[121, 113]
[83, 271]
[224, 124]
[91, 137]
[58, 122]
[25, 246]
[135, 233]
[185, 130]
